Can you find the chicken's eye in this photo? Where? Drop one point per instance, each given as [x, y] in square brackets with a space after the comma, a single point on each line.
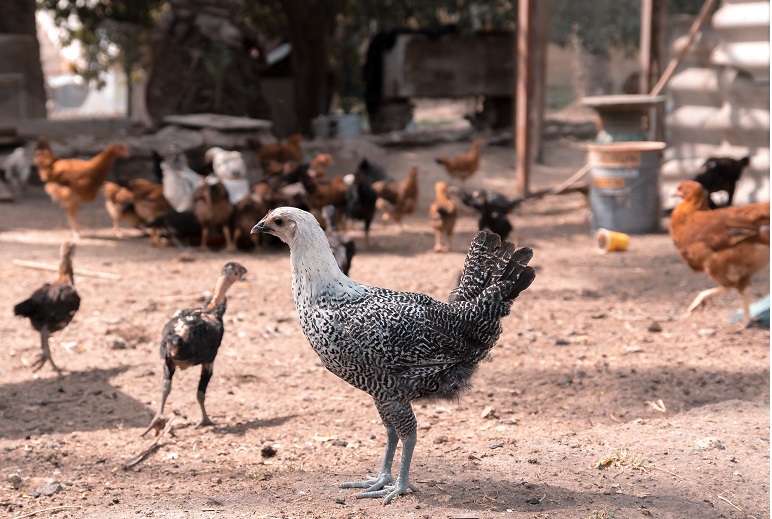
[279, 221]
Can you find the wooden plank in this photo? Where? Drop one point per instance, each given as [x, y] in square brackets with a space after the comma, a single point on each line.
[218, 122]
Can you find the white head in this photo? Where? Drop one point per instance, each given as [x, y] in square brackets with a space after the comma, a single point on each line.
[314, 269]
[292, 225]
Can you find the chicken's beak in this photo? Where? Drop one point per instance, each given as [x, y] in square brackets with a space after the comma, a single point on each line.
[260, 227]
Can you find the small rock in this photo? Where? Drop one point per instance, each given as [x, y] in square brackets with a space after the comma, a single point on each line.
[655, 327]
[185, 257]
[340, 501]
[50, 489]
[441, 439]
[707, 332]
[268, 451]
[709, 443]
[15, 480]
[561, 342]
[116, 342]
[340, 443]
[496, 446]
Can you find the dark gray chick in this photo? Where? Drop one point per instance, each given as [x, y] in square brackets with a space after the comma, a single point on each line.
[191, 338]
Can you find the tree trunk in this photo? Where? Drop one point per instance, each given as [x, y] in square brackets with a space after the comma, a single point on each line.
[187, 49]
[311, 29]
[20, 54]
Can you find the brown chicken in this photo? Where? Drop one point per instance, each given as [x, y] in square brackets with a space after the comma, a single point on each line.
[119, 204]
[728, 244]
[140, 201]
[463, 166]
[442, 213]
[273, 156]
[397, 199]
[213, 209]
[72, 181]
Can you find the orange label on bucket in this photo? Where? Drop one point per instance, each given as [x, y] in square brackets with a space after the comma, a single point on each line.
[617, 158]
[608, 182]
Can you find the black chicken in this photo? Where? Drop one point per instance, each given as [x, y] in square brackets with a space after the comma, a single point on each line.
[181, 228]
[341, 244]
[192, 337]
[51, 307]
[398, 346]
[493, 209]
[360, 202]
[721, 174]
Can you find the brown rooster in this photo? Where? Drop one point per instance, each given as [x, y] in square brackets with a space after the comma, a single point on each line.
[397, 199]
[463, 166]
[442, 213]
[728, 244]
[72, 181]
[51, 307]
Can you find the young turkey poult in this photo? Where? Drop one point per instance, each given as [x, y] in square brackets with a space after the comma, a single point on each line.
[192, 337]
[51, 307]
[398, 346]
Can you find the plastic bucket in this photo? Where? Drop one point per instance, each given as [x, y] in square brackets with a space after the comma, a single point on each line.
[624, 187]
[349, 126]
[321, 126]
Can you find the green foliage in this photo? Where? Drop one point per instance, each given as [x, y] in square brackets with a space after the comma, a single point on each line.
[110, 31]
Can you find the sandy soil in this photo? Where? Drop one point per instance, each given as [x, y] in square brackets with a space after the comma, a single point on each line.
[597, 402]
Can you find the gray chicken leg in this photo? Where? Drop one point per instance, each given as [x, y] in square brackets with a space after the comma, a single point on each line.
[381, 485]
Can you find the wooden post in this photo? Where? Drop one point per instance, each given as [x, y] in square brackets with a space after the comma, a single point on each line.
[539, 38]
[693, 31]
[645, 53]
[523, 85]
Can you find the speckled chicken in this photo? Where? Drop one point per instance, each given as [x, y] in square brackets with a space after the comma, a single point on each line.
[192, 338]
[442, 213]
[398, 346]
[51, 307]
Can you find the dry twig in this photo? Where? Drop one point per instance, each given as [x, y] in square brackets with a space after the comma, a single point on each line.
[54, 268]
[151, 449]
[63, 507]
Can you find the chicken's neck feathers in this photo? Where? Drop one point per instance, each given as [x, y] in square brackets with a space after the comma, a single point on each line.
[316, 273]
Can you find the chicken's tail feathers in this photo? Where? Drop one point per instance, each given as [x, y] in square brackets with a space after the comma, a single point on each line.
[26, 308]
[497, 268]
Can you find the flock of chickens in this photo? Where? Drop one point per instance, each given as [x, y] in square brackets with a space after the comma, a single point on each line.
[418, 347]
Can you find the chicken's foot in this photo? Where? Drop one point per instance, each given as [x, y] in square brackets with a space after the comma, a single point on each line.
[45, 355]
[704, 296]
[402, 484]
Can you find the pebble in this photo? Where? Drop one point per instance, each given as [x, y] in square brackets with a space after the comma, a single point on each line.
[50, 489]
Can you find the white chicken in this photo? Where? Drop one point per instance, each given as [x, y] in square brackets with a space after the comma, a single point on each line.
[17, 167]
[179, 180]
[230, 168]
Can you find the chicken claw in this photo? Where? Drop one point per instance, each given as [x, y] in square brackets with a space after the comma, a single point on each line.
[390, 491]
[157, 424]
[370, 484]
[204, 422]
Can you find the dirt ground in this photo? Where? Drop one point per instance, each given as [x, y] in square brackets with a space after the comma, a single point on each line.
[598, 403]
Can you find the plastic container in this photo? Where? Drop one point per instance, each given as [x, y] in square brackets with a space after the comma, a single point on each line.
[624, 187]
